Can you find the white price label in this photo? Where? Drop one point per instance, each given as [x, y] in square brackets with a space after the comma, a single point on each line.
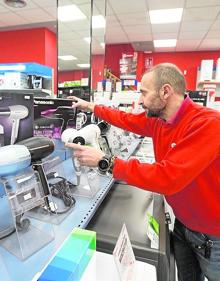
[124, 257]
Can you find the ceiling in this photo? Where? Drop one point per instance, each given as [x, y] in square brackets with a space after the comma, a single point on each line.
[127, 22]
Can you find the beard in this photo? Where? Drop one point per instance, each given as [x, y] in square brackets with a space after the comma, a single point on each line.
[154, 113]
[157, 112]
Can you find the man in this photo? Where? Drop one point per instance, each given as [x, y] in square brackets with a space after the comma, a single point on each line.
[186, 138]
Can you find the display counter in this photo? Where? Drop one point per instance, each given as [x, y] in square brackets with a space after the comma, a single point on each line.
[129, 205]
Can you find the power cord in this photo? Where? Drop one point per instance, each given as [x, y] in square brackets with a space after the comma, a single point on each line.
[59, 189]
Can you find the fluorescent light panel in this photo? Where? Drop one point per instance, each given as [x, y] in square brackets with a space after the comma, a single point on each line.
[67, 57]
[98, 21]
[83, 65]
[165, 15]
[165, 43]
[70, 13]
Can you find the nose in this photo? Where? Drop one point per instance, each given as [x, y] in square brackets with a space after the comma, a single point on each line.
[140, 101]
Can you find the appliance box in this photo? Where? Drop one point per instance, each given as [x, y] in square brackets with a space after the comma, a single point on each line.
[16, 115]
[52, 116]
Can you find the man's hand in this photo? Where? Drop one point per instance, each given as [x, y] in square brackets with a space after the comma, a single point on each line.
[82, 104]
[86, 155]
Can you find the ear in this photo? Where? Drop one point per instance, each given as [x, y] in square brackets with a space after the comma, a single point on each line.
[165, 91]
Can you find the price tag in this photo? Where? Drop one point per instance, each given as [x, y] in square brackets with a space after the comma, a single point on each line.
[153, 229]
[124, 257]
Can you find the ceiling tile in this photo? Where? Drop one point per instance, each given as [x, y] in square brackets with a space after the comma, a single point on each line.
[210, 43]
[133, 18]
[168, 28]
[44, 3]
[137, 29]
[216, 25]
[195, 26]
[12, 19]
[165, 35]
[168, 4]
[200, 14]
[201, 3]
[192, 35]
[140, 37]
[213, 34]
[111, 20]
[128, 6]
[35, 15]
[187, 44]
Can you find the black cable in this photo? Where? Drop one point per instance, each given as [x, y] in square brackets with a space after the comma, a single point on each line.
[59, 190]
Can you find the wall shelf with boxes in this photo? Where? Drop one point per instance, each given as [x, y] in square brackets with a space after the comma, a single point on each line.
[208, 77]
[21, 76]
[82, 92]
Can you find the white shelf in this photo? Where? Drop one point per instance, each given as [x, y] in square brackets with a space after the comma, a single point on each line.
[102, 267]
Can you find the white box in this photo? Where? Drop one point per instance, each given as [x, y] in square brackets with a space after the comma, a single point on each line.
[217, 75]
[118, 86]
[206, 70]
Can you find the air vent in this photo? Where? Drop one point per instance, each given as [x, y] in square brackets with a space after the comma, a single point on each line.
[15, 3]
[143, 46]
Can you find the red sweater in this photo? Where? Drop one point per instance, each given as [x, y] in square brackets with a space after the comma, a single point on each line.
[187, 167]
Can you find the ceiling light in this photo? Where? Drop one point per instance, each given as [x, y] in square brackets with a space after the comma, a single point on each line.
[165, 15]
[67, 57]
[98, 21]
[83, 65]
[87, 39]
[165, 43]
[70, 13]
[15, 3]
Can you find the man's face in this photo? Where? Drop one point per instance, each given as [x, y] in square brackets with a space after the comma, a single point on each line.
[150, 98]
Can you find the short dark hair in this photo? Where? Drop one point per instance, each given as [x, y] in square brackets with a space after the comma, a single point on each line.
[168, 73]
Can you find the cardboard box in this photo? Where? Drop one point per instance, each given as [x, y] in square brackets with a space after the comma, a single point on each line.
[13, 80]
[206, 70]
[16, 116]
[200, 97]
[52, 116]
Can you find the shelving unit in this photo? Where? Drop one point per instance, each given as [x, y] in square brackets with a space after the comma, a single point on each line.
[27, 76]
[215, 83]
[79, 91]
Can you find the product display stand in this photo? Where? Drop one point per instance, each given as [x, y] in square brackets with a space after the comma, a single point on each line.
[24, 193]
[59, 202]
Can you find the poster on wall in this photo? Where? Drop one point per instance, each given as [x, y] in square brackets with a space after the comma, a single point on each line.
[128, 66]
[148, 63]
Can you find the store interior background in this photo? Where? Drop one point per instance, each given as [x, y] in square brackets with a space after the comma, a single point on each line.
[32, 34]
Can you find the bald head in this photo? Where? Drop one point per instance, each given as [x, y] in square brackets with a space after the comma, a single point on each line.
[167, 73]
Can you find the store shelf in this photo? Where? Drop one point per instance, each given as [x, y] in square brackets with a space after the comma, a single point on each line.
[13, 269]
[207, 82]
